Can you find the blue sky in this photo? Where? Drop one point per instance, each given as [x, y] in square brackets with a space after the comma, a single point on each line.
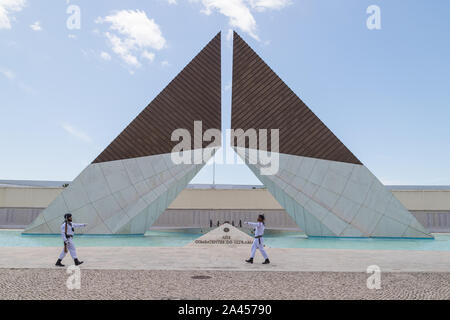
[65, 94]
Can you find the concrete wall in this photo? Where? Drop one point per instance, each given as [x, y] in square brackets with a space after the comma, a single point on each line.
[424, 200]
[27, 197]
[229, 199]
[19, 206]
[196, 207]
[18, 218]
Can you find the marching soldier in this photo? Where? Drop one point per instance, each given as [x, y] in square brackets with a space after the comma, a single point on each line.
[67, 232]
[258, 243]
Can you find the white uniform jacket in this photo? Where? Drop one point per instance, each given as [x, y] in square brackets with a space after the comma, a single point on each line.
[259, 228]
[70, 230]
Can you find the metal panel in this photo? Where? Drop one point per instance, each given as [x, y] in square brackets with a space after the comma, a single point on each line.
[17, 218]
[194, 94]
[437, 221]
[186, 218]
[261, 100]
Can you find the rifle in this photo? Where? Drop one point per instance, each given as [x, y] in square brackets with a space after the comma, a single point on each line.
[65, 244]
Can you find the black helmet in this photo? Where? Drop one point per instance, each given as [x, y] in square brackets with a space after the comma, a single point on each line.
[67, 216]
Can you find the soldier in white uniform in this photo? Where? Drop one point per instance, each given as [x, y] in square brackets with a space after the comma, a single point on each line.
[67, 232]
[258, 243]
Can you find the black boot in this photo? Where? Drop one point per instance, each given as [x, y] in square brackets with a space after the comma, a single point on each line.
[59, 264]
[267, 261]
[249, 260]
[78, 262]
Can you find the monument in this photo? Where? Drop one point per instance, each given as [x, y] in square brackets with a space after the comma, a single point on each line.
[321, 184]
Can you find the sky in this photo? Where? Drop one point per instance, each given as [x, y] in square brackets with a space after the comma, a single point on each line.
[74, 74]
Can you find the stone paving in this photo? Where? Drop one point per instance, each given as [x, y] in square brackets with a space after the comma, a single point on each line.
[166, 273]
[153, 284]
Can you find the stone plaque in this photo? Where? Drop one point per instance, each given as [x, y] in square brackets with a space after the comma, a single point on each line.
[225, 235]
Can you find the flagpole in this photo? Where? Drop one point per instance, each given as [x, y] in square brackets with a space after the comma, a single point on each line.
[214, 171]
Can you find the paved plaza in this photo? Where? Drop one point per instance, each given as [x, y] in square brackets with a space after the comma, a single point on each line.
[152, 284]
[167, 273]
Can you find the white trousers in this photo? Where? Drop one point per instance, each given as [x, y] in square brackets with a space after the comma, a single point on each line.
[257, 244]
[71, 248]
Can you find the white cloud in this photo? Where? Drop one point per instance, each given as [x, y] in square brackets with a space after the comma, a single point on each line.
[131, 34]
[165, 63]
[150, 56]
[105, 56]
[8, 73]
[36, 26]
[240, 12]
[237, 11]
[76, 133]
[262, 5]
[7, 8]
[172, 1]
[120, 48]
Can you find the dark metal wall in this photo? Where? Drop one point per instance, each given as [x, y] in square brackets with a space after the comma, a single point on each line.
[17, 218]
[438, 221]
[194, 94]
[275, 219]
[261, 100]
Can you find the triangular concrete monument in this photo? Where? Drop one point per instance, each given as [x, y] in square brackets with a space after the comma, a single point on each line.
[321, 184]
[134, 180]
